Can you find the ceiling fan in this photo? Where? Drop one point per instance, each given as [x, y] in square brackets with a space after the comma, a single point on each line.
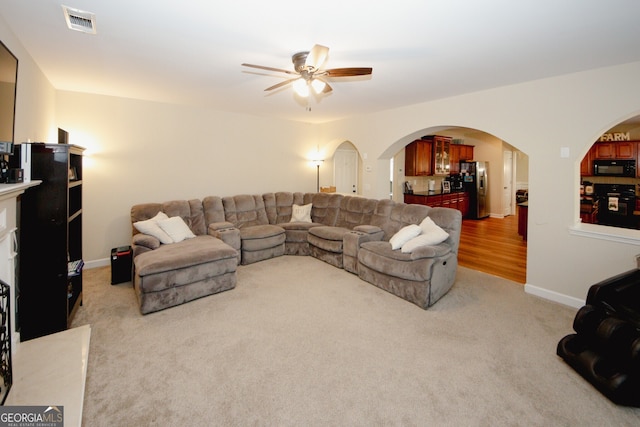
[309, 74]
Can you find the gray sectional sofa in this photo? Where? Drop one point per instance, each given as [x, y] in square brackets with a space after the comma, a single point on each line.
[350, 232]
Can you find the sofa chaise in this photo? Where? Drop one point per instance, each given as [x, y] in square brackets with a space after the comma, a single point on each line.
[188, 249]
[169, 274]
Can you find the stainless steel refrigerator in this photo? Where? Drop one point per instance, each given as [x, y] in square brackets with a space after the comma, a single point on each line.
[475, 181]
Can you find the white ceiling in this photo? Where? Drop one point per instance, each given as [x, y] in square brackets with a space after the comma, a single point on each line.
[190, 51]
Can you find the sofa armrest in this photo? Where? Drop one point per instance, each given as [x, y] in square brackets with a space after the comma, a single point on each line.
[228, 234]
[368, 229]
[141, 243]
[220, 226]
[145, 240]
[353, 239]
[431, 251]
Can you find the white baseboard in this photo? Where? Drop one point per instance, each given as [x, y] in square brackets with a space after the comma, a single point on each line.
[554, 296]
[97, 263]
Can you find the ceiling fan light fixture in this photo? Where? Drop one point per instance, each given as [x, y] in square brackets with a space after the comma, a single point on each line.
[318, 86]
[310, 74]
[301, 87]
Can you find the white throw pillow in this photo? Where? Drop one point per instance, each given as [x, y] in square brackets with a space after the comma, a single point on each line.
[176, 228]
[150, 227]
[432, 234]
[404, 235]
[301, 213]
[427, 225]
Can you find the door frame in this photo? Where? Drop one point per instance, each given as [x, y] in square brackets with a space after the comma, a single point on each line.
[336, 165]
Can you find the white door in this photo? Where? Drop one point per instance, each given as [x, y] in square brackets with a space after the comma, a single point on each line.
[507, 193]
[345, 171]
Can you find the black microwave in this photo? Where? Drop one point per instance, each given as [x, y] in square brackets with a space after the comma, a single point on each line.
[614, 168]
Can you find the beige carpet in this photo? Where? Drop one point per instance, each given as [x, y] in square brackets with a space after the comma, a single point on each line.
[299, 342]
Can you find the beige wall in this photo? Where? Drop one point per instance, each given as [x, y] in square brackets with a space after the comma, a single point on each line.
[537, 118]
[35, 97]
[141, 151]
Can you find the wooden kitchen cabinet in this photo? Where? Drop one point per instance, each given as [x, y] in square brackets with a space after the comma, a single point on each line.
[523, 219]
[589, 214]
[466, 152]
[435, 155]
[626, 150]
[414, 199]
[457, 200]
[603, 150]
[463, 204]
[449, 201]
[586, 166]
[441, 154]
[457, 153]
[433, 200]
[417, 158]
[610, 150]
[614, 150]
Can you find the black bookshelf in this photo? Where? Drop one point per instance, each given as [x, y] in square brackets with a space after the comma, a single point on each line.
[50, 240]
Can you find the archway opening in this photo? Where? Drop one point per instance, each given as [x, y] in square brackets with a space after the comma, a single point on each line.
[495, 243]
[609, 178]
[341, 171]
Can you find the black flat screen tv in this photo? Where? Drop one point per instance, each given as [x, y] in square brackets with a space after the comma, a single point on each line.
[8, 80]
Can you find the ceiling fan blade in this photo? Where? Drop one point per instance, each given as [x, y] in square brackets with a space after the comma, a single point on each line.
[316, 57]
[284, 83]
[262, 67]
[348, 72]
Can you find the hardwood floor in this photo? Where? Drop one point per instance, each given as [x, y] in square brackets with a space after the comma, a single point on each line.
[493, 245]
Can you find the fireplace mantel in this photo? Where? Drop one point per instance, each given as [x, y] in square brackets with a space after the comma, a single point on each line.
[8, 191]
[9, 194]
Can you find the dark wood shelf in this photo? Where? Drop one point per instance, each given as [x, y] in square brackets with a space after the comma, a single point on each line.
[50, 235]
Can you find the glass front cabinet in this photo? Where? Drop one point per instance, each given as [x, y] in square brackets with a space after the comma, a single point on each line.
[441, 154]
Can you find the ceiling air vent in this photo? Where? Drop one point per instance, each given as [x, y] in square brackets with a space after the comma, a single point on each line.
[80, 20]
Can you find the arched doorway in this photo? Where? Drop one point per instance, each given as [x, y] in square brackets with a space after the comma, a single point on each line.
[610, 179]
[345, 169]
[494, 244]
[342, 171]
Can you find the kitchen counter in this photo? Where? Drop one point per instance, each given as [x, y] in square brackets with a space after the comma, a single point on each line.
[434, 192]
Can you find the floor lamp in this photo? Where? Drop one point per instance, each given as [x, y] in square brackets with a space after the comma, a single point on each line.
[318, 163]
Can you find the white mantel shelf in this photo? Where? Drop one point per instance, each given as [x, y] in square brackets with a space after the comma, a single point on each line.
[13, 190]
